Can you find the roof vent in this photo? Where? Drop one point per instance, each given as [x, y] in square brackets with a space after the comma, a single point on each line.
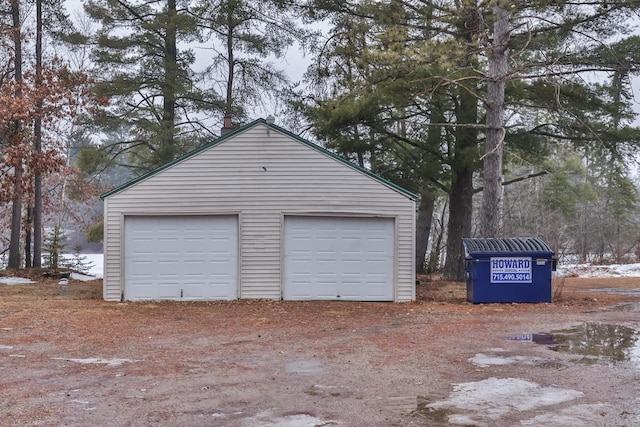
[270, 119]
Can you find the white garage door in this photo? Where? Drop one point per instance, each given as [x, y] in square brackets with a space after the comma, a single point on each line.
[181, 258]
[338, 258]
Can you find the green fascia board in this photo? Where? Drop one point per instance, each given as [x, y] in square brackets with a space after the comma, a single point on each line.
[241, 129]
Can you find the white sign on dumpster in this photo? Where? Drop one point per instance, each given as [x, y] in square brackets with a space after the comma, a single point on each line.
[510, 269]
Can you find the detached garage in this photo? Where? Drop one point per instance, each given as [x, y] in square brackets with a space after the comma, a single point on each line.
[259, 213]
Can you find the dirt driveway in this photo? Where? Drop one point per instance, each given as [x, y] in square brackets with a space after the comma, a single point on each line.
[68, 358]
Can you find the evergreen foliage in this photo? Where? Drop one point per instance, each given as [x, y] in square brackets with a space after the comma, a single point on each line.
[392, 72]
[406, 88]
[244, 37]
[53, 247]
[146, 77]
[78, 262]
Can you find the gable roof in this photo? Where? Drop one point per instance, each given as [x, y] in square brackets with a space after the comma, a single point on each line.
[241, 129]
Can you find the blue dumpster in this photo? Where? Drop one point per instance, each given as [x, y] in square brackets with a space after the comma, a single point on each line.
[508, 270]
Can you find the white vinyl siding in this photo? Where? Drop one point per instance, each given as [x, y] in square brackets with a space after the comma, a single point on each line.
[261, 176]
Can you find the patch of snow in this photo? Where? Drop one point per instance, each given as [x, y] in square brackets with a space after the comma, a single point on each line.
[484, 360]
[465, 420]
[15, 280]
[573, 416]
[98, 361]
[634, 352]
[590, 270]
[5, 347]
[496, 397]
[268, 419]
[219, 415]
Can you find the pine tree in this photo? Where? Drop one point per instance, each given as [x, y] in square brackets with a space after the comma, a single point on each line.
[423, 52]
[146, 76]
[245, 37]
[16, 142]
[54, 246]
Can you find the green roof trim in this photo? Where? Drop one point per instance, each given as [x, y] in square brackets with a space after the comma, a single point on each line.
[241, 129]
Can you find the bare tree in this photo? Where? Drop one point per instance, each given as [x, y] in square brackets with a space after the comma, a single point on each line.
[16, 213]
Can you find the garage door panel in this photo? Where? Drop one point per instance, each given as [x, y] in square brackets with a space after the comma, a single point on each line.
[378, 265]
[191, 257]
[325, 289]
[325, 246]
[376, 246]
[344, 258]
[194, 255]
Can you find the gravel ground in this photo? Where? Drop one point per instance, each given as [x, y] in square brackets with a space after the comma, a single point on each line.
[68, 358]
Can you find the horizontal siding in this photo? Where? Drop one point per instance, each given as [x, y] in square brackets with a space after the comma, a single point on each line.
[112, 268]
[260, 255]
[261, 177]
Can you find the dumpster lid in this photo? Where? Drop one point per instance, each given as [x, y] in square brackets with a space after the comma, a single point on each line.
[506, 245]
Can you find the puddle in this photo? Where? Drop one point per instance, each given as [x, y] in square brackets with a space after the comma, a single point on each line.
[634, 292]
[497, 356]
[435, 416]
[595, 342]
[536, 338]
[303, 367]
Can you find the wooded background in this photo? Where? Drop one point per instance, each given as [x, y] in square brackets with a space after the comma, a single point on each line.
[507, 118]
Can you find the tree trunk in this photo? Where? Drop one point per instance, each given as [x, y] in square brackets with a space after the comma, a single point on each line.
[423, 230]
[434, 256]
[461, 193]
[27, 238]
[459, 225]
[228, 104]
[463, 157]
[492, 191]
[37, 131]
[169, 87]
[16, 213]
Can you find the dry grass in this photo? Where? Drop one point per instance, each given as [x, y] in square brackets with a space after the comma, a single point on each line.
[46, 288]
[557, 289]
[430, 289]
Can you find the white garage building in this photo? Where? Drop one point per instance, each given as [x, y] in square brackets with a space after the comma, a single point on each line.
[259, 213]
